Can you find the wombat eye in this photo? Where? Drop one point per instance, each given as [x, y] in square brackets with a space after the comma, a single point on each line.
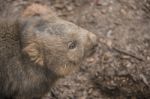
[72, 44]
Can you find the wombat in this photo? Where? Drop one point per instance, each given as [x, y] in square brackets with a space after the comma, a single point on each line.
[36, 49]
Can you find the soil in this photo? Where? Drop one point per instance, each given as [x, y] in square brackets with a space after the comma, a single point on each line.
[120, 69]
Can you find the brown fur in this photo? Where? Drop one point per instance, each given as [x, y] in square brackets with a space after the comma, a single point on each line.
[37, 49]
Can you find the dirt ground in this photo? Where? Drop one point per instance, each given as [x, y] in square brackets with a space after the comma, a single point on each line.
[121, 67]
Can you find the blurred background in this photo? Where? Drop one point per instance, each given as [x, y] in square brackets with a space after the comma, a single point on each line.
[121, 67]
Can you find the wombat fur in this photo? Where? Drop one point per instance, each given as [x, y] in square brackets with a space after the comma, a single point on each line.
[36, 49]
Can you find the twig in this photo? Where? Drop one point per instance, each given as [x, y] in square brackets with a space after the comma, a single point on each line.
[119, 50]
[127, 53]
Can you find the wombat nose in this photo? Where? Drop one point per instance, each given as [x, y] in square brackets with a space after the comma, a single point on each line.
[94, 40]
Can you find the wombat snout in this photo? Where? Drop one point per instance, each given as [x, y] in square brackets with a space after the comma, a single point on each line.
[94, 44]
[94, 40]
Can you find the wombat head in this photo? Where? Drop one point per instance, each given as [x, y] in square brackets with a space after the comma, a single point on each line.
[54, 43]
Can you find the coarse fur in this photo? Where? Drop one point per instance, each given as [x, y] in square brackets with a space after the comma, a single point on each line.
[36, 49]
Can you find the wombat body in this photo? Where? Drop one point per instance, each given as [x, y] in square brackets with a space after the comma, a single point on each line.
[38, 48]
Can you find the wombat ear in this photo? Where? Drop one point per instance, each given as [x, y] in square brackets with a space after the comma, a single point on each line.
[34, 54]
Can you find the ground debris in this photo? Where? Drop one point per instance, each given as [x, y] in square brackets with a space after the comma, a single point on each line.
[121, 68]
